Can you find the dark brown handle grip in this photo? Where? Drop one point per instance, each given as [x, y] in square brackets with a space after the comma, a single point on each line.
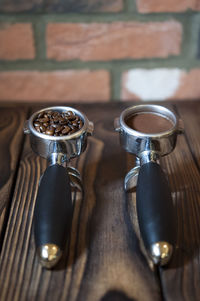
[154, 206]
[53, 210]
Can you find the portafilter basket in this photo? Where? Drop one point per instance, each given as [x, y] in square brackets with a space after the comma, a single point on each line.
[150, 132]
[54, 208]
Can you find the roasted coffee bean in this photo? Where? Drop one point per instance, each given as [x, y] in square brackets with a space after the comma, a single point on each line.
[42, 128]
[71, 126]
[71, 117]
[63, 120]
[37, 128]
[73, 131]
[75, 123]
[76, 118]
[55, 114]
[54, 123]
[40, 115]
[66, 130]
[59, 128]
[69, 113]
[56, 119]
[49, 114]
[49, 132]
[51, 121]
[80, 124]
[43, 119]
[36, 124]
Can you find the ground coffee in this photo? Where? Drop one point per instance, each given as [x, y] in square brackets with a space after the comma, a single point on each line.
[54, 123]
[149, 123]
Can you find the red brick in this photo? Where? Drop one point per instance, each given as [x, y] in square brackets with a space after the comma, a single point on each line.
[118, 40]
[70, 85]
[155, 6]
[160, 84]
[13, 6]
[197, 5]
[16, 41]
[83, 6]
[189, 86]
[107, 6]
[60, 6]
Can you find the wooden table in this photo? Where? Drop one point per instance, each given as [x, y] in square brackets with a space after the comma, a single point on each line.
[105, 259]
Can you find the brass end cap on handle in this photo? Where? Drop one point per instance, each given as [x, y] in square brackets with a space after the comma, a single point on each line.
[49, 255]
[161, 252]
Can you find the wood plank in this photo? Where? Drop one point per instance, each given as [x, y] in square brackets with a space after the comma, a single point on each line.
[180, 280]
[191, 113]
[11, 137]
[103, 260]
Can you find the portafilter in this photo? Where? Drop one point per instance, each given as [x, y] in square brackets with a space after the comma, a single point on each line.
[150, 132]
[54, 208]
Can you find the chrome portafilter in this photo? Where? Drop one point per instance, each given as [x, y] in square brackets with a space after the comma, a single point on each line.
[54, 208]
[150, 132]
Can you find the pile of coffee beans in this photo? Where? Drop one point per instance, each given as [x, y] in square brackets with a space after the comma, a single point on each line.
[54, 123]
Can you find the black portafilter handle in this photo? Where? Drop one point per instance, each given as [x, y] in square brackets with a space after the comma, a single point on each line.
[53, 215]
[155, 213]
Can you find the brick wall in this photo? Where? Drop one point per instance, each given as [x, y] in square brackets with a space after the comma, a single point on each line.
[99, 50]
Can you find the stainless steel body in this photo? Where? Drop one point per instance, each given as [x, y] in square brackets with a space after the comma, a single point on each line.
[58, 150]
[146, 147]
[68, 146]
[154, 203]
[141, 144]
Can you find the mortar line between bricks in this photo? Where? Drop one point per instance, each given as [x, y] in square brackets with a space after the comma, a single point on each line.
[121, 65]
[195, 29]
[40, 39]
[131, 6]
[187, 40]
[96, 17]
[115, 84]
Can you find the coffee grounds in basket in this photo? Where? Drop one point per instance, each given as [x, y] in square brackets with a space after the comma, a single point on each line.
[149, 123]
[54, 123]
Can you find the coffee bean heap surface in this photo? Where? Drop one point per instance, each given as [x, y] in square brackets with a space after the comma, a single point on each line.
[54, 123]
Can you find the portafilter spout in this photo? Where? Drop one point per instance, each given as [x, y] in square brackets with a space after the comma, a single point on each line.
[57, 139]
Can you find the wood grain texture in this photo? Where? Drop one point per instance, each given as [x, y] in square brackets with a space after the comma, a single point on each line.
[180, 280]
[11, 137]
[190, 115]
[103, 259]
